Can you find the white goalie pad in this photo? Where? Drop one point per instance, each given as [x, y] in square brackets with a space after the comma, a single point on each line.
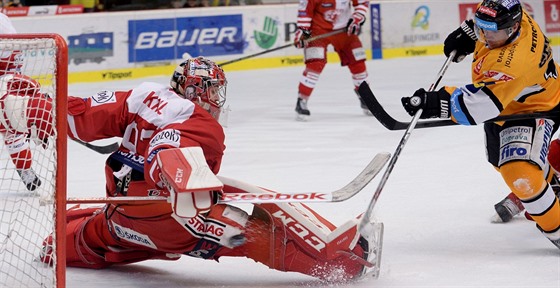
[189, 179]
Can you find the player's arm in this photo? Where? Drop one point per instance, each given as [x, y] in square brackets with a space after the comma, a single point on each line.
[303, 22]
[99, 116]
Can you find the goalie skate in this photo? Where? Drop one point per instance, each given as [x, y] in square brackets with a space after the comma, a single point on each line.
[372, 246]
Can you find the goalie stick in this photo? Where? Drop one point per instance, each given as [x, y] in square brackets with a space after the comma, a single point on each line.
[257, 194]
[102, 149]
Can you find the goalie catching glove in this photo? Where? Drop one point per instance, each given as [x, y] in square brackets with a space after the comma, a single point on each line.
[434, 104]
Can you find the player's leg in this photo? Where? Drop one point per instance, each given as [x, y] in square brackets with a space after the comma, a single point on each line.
[315, 56]
[352, 54]
[524, 168]
[292, 237]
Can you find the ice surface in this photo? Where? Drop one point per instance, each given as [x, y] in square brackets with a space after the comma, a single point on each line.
[436, 205]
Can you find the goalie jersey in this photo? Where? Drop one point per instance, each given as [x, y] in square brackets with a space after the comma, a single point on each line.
[520, 77]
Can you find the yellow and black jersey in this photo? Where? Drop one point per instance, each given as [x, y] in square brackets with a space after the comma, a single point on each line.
[520, 77]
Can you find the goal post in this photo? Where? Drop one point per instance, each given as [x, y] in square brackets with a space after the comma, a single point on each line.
[33, 168]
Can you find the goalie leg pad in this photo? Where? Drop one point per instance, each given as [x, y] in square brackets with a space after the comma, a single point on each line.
[292, 237]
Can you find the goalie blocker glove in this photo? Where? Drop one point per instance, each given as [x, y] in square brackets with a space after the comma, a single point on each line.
[462, 40]
[434, 104]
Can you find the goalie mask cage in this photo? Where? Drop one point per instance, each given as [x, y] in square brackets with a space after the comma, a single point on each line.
[29, 216]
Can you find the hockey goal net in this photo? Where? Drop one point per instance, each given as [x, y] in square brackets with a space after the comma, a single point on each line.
[33, 171]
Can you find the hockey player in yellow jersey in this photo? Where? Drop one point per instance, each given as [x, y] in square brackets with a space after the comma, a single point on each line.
[513, 72]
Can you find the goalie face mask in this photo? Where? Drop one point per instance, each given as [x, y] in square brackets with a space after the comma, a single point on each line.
[203, 82]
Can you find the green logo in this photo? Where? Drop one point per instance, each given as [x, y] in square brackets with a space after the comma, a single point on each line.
[266, 38]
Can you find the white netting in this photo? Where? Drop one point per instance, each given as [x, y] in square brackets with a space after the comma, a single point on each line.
[27, 163]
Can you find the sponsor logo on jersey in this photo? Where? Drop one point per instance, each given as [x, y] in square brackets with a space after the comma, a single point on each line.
[516, 134]
[133, 160]
[170, 137]
[197, 226]
[514, 151]
[499, 76]
[103, 97]
[478, 66]
[300, 230]
[132, 236]
[169, 39]
[544, 127]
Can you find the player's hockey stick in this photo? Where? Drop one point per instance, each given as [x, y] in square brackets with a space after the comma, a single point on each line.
[255, 194]
[103, 149]
[367, 227]
[311, 39]
[392, 124]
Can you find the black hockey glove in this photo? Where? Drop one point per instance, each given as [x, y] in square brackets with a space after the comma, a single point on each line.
[435, 104]
[461, 40]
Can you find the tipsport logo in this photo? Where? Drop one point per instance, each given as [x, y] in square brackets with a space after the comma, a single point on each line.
[421, 17]
[269, 34]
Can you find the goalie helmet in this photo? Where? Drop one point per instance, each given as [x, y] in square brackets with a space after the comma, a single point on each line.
[495, 21]
[203, 82]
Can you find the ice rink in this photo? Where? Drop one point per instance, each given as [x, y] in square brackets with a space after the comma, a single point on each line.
[436, 205]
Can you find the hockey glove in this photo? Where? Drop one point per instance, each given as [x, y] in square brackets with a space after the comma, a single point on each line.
[355, 23]
[300, 37]
[191, 184]
[461, 40]
[434, 104]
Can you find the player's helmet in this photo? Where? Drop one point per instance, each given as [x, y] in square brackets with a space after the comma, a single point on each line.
[495, 21]
[201, 81]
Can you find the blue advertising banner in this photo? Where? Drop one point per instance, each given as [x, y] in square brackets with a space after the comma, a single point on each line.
[376, 45]
[176, 38]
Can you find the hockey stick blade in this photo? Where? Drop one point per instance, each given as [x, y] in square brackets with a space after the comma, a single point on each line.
[392, 124]
[255, 194]
[385, 119]
[102, 149]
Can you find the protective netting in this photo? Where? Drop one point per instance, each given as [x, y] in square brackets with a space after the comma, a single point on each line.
[28, 156]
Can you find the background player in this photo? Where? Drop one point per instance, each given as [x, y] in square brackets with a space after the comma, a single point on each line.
[16, 142]
[318, 17]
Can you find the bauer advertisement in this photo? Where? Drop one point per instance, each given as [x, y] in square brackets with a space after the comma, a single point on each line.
[126, 45]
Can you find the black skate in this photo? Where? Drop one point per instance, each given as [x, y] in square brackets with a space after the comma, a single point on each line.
[507, 209]
[302, 113]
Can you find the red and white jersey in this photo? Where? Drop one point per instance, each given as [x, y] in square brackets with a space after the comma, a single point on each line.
[327, 15]
[149, 118]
